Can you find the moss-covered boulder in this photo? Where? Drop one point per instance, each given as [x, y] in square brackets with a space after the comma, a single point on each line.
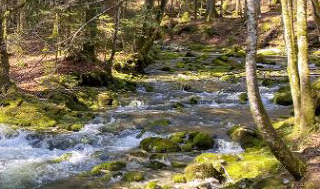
[283, 97]
[194, 100]
[229, 78]
[203, 141]
[152, 185]
[178, 137]
[179, 178]
[159, 145]
[133, 176]
[202, 171]
[243, 98]
[110, 166]
[68, 99]
[159, 160]
[247, 137]
[104, 99]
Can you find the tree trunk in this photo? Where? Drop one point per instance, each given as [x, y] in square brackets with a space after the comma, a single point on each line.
[211, 11]
[238, 8]
[115, 38]
[90, 34]
[291, 46]
[307, 106]
[316, 15]
[5, 82]
[147, 27]
[195, 9]
[290, 161]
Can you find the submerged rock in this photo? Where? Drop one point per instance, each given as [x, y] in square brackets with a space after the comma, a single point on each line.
[203, 141]
[283, 97]
[110, 166]
[243, 98]
[133, 176]
[159, 145]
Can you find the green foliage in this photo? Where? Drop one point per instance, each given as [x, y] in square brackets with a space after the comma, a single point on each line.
[185, 18]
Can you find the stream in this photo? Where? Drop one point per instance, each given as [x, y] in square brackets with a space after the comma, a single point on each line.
[27, 158]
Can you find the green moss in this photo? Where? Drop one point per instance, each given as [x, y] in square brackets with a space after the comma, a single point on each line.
[153, 185]
[200, 171]
[203, 141]
[229, 78]
[178, 137]
[64, 157]
[179, 106]
[188, 147]
[194, 100]
[133, 176]
[252, 164]
[247, 137]
[180, 65]
[104, 99]
[76, 127]
[283, 97]
[177, 164]
[179, 178]
[110, 166]
[165, 55]
[243, 98]
[159, 122]
[159, 145]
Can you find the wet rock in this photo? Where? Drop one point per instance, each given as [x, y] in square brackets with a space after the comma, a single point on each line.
[159, 145]
[243, 98]
[247, 137]
[110, 166]
[202, 171]
[133, 176]
[177, 164]
[194, 100]
[160, 160]
[61, 143]
[203, 141]
[190, 54]
[229, 78]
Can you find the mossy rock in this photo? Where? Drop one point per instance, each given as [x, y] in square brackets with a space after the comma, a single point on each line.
[247, 137]
[178, 105]
[159, 161]
[105, 99]
[178, 137]
[179, 178]
[64, 157]
[152, 185]
[194, 100]
[202, 171]
[283, 97]
[229, 78]
[133, 176]
[217, 160]
[243, 98]
[188, 147]
[110, 166]
[159, 145]
[77, 127]
[177, 164]
[68, 99]
[203, 141]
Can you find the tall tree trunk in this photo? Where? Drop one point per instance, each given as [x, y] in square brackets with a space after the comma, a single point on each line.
[316, 15]
[307, 106]
[147, 27]
[5, 82]
[291, 46]
[290, 161]
[90, 34]
[115, 38]
[238, 8]
[211, 11]
[195, 9]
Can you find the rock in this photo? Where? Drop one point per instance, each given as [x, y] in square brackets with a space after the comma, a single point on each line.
[177, 164]
[194, 100]
[179, 178]
[133, 176]
[190, 54]
[178, 137]
[202, 171]
[243, 98]
[104, 99]
[165, 69]
[110, 166]
[247, 137]
[188, 147]
[203, 141]
[161, 160]
[153, 185]
[229, 78]
[159, 145]
[283, 97]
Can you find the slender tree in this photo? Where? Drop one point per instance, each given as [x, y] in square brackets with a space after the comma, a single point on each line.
[291, 162]
[307, 107]
[291, 46]
[316, 15]
[211, 11]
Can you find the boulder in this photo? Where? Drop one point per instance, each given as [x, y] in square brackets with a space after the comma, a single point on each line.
[202, 171]
[203, 141]
[247, 137]
[159, 145]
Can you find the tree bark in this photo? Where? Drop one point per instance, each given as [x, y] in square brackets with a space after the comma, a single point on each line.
[291, 46]
[211, 11]
[290, 161]
[115, 38]
[307, 106]
[5, 82]
[316, 15]
[90, 34]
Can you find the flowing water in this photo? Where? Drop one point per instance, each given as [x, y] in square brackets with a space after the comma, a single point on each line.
[29, 159]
